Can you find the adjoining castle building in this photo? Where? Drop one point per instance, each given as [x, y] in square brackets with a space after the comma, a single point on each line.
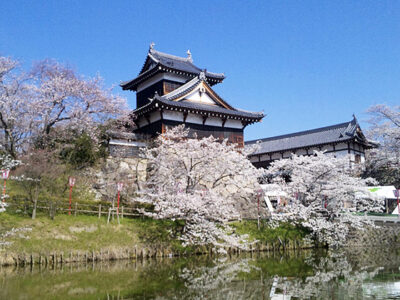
[171, 90]
[340, 139]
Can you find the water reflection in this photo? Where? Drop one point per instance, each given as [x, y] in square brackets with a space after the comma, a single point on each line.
[355, 274]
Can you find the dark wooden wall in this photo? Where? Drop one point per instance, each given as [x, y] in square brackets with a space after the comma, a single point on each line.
[152, 129]
[142, 97]
[162, 87]
[169, 86]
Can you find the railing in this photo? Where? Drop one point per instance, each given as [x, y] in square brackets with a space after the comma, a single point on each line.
[380, 218]
[384, 219]
[54, 207]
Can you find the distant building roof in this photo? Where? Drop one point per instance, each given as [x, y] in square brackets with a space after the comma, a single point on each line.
[333, 134]
[157, 61]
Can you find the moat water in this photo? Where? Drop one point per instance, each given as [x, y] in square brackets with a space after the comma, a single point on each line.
[347, 274]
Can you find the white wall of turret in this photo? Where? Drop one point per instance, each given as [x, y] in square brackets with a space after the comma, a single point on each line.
[190, 118]
[159, 77]
[356, 153]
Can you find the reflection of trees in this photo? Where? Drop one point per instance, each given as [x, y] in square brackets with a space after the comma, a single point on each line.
[302, 275]
[217, 281]
[240, 277]
[332, 276]
[336, 275]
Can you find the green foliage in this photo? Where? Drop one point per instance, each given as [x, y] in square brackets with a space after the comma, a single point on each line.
[53, 190]
[287, 267]
[158, 231]
[82, 153]
[385, 175]
[266, 234]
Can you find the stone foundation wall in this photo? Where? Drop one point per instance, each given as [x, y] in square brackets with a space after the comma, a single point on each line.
[131, 171]
[382, 235]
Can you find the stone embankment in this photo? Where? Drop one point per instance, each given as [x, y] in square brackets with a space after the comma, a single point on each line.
[381, 235]
[138, 253]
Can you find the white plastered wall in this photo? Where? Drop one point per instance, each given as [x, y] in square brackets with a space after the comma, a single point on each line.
[198, 97]
[233, 124]
[155, 116]
[173, 115]
[301, 152]
[159, 77]
[214, 121]
[254, 159]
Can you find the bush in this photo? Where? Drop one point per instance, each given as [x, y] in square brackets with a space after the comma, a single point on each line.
[82, 153]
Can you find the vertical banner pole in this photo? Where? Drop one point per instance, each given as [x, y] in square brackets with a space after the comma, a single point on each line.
[258, 212]
[259, 194]
[5, 174]
[4, 191]
[71, 182]
[70, 199]
[119, 189]
[118, 204]
[398, 207]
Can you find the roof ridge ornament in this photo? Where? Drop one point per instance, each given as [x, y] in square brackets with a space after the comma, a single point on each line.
[189, 55]
[152, 44]
[202, 75]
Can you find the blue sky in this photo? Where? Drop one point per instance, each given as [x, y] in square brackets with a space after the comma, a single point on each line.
[307, 64]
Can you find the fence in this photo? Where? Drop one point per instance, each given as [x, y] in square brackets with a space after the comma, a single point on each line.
[54, 207]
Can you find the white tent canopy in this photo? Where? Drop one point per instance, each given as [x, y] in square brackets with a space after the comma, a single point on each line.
[384, 191]
[387, 192]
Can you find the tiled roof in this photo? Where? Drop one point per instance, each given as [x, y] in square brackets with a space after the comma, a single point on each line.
[183, 89]
[190, 86]
[342, 132]
[211, 108]
[169, 101]
[180, 63]
[158, 101]
[163, 62]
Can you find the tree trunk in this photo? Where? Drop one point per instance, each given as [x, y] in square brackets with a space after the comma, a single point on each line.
[34, 209]
[136, 175]
[35, 199]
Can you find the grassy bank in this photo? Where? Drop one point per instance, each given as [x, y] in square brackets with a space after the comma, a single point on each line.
[266, 235]
[85, 233]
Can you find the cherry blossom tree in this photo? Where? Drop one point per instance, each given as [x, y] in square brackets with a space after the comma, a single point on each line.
[6, 163]
[17, 106]
[384, 163]
[66, 98]
[385, 129]
[323, 191]
[197, 180]
[51, 95]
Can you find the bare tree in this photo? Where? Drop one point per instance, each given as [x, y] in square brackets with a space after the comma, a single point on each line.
[41, 174]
